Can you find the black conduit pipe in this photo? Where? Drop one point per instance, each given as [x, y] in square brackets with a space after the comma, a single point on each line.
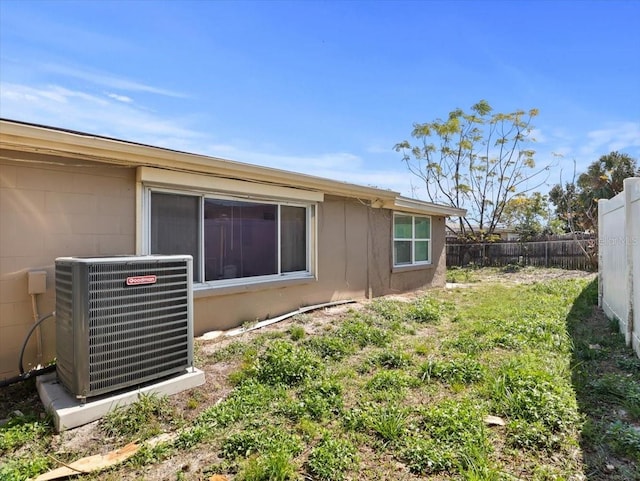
[35, 372]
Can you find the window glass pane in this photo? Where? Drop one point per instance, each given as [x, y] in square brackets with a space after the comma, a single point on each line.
[402, 252]
[174, 226]
[422, 251]
[293, 238]
[402, 226]
[423, 228]
[240, 239]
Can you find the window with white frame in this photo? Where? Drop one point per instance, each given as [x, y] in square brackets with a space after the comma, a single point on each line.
[411, 239]
[230, 238]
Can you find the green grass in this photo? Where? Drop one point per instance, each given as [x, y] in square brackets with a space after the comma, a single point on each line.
[147, 417]
[399, 390]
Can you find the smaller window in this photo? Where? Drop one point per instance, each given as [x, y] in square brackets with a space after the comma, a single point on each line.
[411, 240]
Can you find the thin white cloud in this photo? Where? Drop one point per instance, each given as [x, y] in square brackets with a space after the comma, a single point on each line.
[120, 98]
[108, 80]
[378, 149]
[61, 107]
[341, 166]
[618, 136]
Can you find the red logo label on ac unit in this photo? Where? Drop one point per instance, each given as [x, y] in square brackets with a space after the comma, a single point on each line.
[141, 280]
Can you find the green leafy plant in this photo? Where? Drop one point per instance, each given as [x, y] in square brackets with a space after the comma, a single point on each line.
[331, 346]
[273, 466]
[262, 439]
[390, 383]
[425, 310]
[450, 437]
[332, 458]
[524, 392]
[464, 371]
[296, 332]
[392, 359]
[363, 333]
[317, 400]
[624, 439]
[620, 390]
[427, 456]
[142, 419]
[285, 363]
[23, 468]
[389, 423]
[21, 430]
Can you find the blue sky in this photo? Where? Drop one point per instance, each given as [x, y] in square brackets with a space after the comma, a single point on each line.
[324, 88]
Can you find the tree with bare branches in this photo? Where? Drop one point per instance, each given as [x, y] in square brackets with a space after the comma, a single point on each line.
[475, 161]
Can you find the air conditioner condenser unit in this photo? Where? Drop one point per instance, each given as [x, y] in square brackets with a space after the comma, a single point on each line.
[122, 321]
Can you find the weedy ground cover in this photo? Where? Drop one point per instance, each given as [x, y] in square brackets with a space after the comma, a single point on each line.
[397, 389]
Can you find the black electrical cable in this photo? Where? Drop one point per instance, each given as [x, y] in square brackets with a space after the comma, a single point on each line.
[26, 339]
[27, 375]
[34, 372]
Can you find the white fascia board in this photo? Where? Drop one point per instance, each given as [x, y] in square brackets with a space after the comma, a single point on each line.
[415, 206]
[211, 183]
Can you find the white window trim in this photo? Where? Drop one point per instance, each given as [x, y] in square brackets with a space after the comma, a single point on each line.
[413, 239]
[179, 183]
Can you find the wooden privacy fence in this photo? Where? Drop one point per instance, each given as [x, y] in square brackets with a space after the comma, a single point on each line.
[619, 264]
[564, 253]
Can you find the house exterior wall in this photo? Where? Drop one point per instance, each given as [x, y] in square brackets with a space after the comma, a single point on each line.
[354, 261]
[48, 210]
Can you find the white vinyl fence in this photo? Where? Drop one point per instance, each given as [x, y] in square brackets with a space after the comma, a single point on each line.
[619, 259]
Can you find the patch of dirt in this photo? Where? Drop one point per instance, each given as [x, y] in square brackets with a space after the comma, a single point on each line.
[524, 275]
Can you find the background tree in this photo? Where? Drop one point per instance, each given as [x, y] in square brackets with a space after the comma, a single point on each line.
[528, 215]
[577, 202]
[475, 161]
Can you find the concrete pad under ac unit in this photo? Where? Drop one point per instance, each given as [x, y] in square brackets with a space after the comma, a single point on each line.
[68, 412]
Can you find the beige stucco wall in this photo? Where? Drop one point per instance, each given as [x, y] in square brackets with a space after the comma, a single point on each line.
[354, 261]
[49, 210]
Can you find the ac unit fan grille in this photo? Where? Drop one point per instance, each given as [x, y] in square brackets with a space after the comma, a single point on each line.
[122, 321]
[136, 332]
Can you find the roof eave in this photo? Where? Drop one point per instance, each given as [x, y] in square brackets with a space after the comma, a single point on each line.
[23, 137]
[421, 207]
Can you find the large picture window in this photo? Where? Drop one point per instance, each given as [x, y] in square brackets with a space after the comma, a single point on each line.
[411, 240]
[232, 239]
